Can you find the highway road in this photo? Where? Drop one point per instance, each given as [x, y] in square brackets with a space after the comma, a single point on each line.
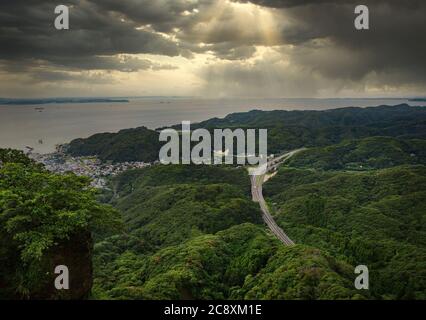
[257, 194]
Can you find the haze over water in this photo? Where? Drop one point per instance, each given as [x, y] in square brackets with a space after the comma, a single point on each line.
[25, 125]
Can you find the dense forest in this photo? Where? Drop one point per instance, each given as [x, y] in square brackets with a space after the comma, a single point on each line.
[46, 220]
[363, 154]
[287, 130]
[355, 196]
[140, 144]
[194, 233]
[376, 218]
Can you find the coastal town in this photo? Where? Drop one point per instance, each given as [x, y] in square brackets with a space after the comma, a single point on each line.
[92, 167]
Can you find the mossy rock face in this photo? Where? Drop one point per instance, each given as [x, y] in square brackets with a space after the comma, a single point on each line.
[39, 283]
[76, 254]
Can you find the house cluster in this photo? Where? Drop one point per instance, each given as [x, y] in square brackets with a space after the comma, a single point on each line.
[85, 166]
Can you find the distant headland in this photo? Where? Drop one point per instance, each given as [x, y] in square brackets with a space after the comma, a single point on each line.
[59, 100]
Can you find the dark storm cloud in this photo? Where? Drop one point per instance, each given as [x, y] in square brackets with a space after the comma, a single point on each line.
[187, 21]
[27, 32]
[313, 36]
[286, 3]
[228, 51]
[59, 76]
[123, 64]
[396, 39]
[299, 3]
[163, 15]
[109, 27]
[265, 78]
[326, 41]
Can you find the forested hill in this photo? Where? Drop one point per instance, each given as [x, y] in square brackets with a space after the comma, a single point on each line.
[139, 144]
[376, 218]
[363, 154]
[354, 197]
[351, 116]
[46, 220]
[287, 130]
[194, 233]
[294, 129]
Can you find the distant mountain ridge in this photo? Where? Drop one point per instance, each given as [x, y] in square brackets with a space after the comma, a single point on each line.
[355, 196]
[193, 232]
[363, 154]
[287, 130]
[43, 101]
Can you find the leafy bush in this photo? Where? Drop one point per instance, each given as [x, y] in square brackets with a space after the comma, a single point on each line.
[40, 211]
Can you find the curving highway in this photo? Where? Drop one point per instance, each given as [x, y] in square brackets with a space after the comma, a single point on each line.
[257, 194]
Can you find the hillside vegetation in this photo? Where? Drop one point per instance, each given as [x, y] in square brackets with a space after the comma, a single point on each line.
[354, 197]
[376, 218]
[287, 130]
[364, 154]
[46, 220]
[194, 233]
[140, 144]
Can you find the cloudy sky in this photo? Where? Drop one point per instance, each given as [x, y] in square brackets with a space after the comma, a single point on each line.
[214, 48]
